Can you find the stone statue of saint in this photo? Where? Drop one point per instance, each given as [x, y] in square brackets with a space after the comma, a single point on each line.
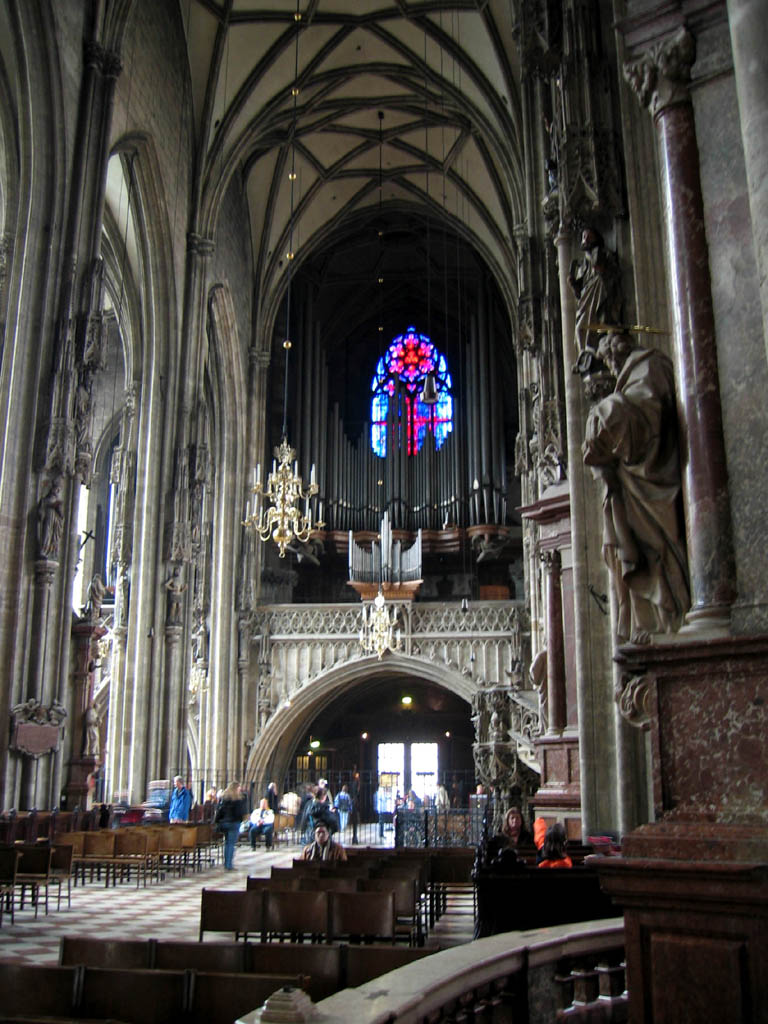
[50, 520]
[92, 722]
[96, 592]
[631, 445]
[596, 282]
[175, 587]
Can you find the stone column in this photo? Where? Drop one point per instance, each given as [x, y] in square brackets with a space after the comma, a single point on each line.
[749, 44]
[592, 640]
[118, 722]
[556, 700]
[174, 754]
[45, 572]
[661, 79]
[85, 759]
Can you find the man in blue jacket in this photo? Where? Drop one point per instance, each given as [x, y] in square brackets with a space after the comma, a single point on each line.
[181, 802]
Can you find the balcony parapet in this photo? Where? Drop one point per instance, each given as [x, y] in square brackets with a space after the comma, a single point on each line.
[510, 966]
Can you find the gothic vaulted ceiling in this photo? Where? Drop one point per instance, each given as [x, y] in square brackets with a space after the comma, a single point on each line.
[278, 86]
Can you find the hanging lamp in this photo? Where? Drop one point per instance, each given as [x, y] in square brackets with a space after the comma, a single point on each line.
[277, 512]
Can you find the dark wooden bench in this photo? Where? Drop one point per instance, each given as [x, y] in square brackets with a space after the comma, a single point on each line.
[326, 968]
[538, 898]
[134, 996]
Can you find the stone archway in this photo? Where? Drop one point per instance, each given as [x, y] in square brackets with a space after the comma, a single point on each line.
[271, 753]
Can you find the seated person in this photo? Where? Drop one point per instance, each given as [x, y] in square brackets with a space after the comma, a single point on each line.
[553, 853]
[503, 848]
[262, 823]
[323, 847]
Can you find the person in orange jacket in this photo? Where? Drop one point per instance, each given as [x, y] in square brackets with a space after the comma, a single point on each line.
[553, 850]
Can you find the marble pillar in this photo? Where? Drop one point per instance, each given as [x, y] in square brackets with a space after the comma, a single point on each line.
[556, 709]
[661, 80]
[749, 43]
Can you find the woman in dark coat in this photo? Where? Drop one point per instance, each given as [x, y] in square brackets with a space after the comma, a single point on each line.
[232, 808]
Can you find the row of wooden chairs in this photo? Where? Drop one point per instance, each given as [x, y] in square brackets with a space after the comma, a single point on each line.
[408, 917]
[317, 916]
[328, 967]
[133, 996]
[34, 867]
[149, 850]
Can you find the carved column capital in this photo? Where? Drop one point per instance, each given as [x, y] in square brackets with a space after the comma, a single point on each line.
[633, 696]
[550, 560]
[661, 78]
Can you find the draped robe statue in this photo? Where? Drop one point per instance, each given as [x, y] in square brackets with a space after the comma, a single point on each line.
[631, 445]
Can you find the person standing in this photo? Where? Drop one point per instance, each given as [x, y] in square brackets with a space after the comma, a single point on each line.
[343, 806]
[272, 798]
[181, 802]
[381, 803]
[232, 808]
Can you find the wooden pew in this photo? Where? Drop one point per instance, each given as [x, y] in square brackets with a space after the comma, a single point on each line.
[92, 952]
[222, 998]
[359, 916]
[231, 910]
[538, 898]
[31, 991]
[364, 963]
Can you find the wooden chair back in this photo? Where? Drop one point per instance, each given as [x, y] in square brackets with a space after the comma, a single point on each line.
[131, 842]
[210, 957]
[97, 845]
[134, 996]
[347, 883]
[74, 839]
[286, 914]
[320, 961]
[223, 998]
[30, 991]
[361, 915]
[230, 910]
[403, 888]
[364, 963]
[61, 870]
[9, 859]
[121, 954]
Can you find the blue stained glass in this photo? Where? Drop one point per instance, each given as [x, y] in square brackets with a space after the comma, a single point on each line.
[408, 360]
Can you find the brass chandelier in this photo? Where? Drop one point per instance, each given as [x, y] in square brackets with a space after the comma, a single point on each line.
[282, 519]
[378, 633]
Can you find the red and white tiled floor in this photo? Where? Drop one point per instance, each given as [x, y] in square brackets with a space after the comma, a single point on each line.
[169, 910]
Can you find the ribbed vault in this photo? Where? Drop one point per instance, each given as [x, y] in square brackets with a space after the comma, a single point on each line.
[448, 143]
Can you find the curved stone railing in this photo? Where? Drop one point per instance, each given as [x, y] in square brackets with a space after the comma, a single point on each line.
[519, 970]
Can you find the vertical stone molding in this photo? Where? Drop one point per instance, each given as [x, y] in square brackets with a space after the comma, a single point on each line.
[661, 80]
[749, 44]
[556, 698]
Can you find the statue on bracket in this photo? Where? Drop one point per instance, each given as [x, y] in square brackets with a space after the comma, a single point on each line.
[595, 281]
[631, 445]
[50, 517]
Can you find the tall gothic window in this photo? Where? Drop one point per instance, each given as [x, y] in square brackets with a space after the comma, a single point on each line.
[397, 386]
